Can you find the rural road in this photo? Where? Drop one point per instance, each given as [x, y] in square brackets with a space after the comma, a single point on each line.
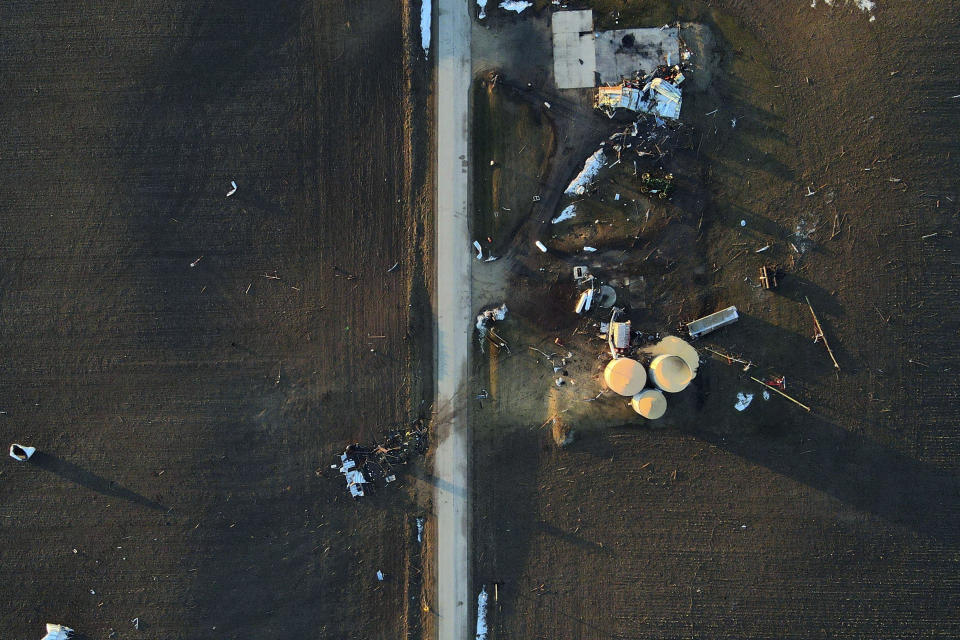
[453, 314]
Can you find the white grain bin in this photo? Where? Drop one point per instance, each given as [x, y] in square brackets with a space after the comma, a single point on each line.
[670, 373]
[625, 376]
[649, 403]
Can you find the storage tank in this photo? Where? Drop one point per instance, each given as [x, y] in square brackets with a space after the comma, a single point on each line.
[649, 403]
[625, 376]
[670, 373]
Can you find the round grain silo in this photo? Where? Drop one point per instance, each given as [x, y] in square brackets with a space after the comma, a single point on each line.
[649, 403]
[670, 373]
[625, 376]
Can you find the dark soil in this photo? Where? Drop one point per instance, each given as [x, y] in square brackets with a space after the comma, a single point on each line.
[187, 416]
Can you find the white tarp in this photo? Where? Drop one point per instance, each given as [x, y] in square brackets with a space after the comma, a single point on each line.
[743, 401]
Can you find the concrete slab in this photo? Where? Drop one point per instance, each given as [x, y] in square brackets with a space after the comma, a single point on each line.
[574, 53]
[616, 57]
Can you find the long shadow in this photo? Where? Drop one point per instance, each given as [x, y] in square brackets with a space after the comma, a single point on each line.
[69, 471]
[857, 471]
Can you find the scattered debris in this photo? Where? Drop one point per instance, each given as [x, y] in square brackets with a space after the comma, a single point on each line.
[367, 465]
[768, 277]
[662, 186]
[712, 322]
[774, 389]
[395, 266]
[379, 575]
[483, 9]
[819, 334]
[584, 301]
[541, 246]
[657, 93]
[476, 245]
[21, 453]
[589, 249]
[743, 401]
[136, 623]
[234, 184]
[196, 262]
[731, 359]
[420, 522]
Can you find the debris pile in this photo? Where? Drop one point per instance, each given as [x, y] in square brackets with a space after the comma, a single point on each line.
[485, 322]
[364, 467]
[657, 93]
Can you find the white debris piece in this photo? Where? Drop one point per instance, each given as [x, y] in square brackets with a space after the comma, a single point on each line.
[590, 169]
[569, 212]
[425, 15]
[482, 614]
[589, 249]
[515, 5]
[483, 8]
[420, 523]
[476, 245]
[232, 191]
[616, 197]
[766, 394]
[354, 477]
[541, 246]
[379, 575]
[21, 453]
[743, 401]
[58, 632]
[491, 315]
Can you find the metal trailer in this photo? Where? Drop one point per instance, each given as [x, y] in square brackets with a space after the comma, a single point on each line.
[706, 324]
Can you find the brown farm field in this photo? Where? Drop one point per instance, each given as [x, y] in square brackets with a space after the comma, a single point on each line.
[185, 414]
[773, 522]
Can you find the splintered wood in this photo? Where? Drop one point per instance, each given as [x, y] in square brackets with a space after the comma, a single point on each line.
[819, 334]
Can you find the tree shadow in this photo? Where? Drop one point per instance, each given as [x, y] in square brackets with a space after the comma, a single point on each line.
[73, 473]
[855, 470]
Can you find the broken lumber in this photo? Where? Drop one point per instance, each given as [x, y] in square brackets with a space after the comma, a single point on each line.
[819, 335]
[793, 400]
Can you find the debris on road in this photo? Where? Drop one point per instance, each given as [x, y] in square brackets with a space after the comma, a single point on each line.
[233, 190]
[541, 246]
[743, 401]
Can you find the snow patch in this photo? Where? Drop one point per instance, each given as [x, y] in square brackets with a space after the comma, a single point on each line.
[566, 214]
[515, 5]
[482, 614]
[425, 15]
[589, 172]
[867, 6]
[743, 401]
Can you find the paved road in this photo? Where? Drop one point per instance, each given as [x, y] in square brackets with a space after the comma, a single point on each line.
[453, 320]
